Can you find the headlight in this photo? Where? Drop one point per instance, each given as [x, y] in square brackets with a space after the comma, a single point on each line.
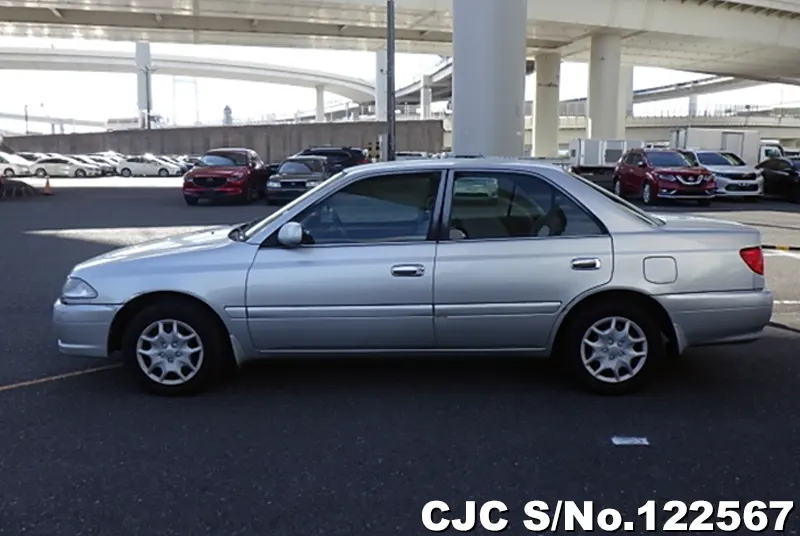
[187, 178]
[668, 178]
[311, 184]
[77, 289]
[273, 184]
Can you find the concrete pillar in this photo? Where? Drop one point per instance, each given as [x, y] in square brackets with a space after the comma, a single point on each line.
[604, 75]
[489, 52]
[380, 85]
[144, 70]
[692, 105]
[546, 106]
[320, 109]
[625, 109]
[425, 97]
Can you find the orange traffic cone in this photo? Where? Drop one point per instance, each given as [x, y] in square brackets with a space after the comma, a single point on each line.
[48, 190]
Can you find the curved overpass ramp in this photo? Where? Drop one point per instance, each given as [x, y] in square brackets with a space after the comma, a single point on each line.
[46, 59]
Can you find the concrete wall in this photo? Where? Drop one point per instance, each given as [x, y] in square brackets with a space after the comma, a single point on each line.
[272, 142]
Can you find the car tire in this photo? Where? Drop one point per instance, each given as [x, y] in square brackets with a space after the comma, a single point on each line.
[163, 172]
[648, 198]
[191, 201]
[8, 172]
[585, 352]
[704, 202]
[125, 172]
[201, 356]
[41, 173]
[616, 186]
[794, 195]
[79, 173]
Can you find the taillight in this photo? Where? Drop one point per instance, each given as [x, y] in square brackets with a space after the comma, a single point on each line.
[753, 258]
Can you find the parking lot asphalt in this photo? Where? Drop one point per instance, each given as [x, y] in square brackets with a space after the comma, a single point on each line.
[358, 447]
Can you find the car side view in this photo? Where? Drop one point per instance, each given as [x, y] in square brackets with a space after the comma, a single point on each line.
[435, 256]
[655, 175]
[782, 177]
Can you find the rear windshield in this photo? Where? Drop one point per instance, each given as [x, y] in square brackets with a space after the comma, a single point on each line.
[625, 205]
[223, 159]
[666, 159]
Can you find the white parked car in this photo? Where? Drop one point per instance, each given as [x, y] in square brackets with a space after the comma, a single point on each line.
[147, 166]
[12, 165]
[733, 176]
[63, 166]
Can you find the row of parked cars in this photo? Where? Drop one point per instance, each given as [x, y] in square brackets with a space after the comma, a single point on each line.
[42, 165]
[654, 175]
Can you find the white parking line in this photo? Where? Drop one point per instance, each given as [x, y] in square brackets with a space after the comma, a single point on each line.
[779, 253]
[628, 441]
[786, 302]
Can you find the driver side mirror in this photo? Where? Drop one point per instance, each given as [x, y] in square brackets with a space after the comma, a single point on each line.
[641, 164]
[291, 234]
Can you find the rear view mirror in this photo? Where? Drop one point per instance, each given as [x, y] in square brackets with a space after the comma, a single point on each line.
[291, 234]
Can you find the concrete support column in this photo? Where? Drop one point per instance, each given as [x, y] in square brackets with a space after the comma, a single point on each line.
[692, 105]
[604, 75]
[625, 109]
[425, 97]
[380, 85]
[489, 52]
[320, 109]
[144, 70]
[546, 105]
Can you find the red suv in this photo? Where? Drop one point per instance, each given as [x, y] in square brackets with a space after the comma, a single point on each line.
[226, 174]
[654, 175]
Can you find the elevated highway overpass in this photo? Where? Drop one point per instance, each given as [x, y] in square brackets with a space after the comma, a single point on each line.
[360, 92]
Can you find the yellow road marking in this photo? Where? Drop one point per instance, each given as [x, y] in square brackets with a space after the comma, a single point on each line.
[47, 379]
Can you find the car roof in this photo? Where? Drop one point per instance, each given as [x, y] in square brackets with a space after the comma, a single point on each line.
[228, 150]
[498, 163]
[307, 157]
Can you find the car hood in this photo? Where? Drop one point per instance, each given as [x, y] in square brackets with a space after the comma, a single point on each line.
[681, 170]
[741, 170]
[298, 176]
[216, 171]
[192, 242]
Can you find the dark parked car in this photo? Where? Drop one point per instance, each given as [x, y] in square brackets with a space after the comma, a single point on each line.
[339, 157]
[226, 174]
[782, 177]
[654, 175]
[297, 175]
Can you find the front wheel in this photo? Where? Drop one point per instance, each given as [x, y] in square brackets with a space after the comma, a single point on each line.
[611, 348]
[704, 202]
[9, 173]
[648, 196]
[79, 173]
[174, 348]
[41, 173]
[191, 201]
[617, 187]
[163, 172]
[126, 172]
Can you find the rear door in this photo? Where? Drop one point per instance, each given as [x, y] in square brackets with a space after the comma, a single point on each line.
[517, 251]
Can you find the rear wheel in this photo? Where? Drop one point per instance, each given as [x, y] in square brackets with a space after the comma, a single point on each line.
[612, 348]
[125, 172]
[80, 173]
[41, 173]
[163, 172]
[8, 172]
[174, 348]
[617, 187]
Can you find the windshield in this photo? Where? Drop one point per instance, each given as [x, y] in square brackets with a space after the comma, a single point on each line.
[714, 159]
[16, 159]
[252, 230]
[690, 157]
[223, 160]
[633, 209]
[666, 159]
[300, 167]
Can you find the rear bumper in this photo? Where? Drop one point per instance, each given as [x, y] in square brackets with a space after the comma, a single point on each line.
[709, 318]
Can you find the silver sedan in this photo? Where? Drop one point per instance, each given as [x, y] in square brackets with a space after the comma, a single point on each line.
[450, 256]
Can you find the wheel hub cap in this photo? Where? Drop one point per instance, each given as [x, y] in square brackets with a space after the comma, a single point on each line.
[169, 352]
[614, 349]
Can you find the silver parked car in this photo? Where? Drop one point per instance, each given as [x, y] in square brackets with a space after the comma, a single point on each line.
[450, 256]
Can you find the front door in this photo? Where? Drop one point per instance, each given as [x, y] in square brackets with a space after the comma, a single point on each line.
[518, 251]
[364, 280]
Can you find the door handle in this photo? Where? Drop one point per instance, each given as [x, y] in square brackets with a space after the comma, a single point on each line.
[586, 264]
[408, 270]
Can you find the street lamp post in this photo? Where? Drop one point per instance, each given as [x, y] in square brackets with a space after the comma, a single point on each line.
[391, 106]
[148, 94]
[27, 130]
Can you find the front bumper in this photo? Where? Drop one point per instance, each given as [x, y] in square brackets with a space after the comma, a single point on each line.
[737, 188]
[708, 318]
[83, 329]
[222, 192]
[284, 194]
